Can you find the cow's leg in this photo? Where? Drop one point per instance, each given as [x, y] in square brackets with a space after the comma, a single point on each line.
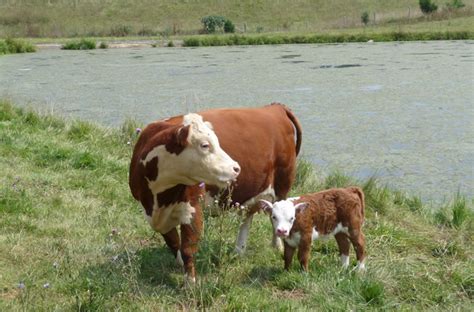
[241, 242]
[358, 241]
[344, 246]
[288, 255]
[172, 240]
[190, 236]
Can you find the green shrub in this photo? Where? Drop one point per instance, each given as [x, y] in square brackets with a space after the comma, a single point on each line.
[103, 45]
[170, 44]
[15, 46]
[229, 27]
[427, 6]
[365, 17]
[83, 44]
[212, 23]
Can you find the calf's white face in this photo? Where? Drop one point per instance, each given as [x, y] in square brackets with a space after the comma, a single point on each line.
[282, 214]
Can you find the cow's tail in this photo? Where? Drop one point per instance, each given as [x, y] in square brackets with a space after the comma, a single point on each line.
[358, 191]
[297, 126]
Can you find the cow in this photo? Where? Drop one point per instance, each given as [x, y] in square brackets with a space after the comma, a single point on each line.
[260, 147]
[300, 220]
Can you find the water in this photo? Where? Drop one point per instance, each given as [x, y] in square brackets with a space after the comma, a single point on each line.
[401, 111]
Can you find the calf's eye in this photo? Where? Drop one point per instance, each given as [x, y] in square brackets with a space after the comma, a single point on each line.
[205, 145]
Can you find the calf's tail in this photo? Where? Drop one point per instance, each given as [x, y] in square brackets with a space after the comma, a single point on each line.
[358, 191]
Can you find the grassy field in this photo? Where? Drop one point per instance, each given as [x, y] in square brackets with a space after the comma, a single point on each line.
[72, 18]
[72, 238]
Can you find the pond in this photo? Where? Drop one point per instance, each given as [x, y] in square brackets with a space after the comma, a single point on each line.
[401, 111]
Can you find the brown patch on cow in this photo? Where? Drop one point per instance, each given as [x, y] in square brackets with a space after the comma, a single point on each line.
[171, 196]
[151, 169]
[179, 141]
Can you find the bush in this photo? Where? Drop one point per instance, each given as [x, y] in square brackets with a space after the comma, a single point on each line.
[103, 45]
[170, 44]
[83, 44]
[15, 46]
[365, 18]
[215, 23]
[427, 6]
[229, 27]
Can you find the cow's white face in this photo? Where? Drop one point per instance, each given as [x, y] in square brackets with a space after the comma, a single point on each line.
[282, 214]
[203, 159]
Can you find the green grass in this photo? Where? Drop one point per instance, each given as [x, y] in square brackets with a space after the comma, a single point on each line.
[9, 46]
[82, 44]
[72, 238]
[222, 40]
[67, 18]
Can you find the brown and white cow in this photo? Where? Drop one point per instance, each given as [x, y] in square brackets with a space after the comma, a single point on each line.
[170, 162]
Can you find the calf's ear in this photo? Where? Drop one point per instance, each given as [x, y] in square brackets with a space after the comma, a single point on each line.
[300, 207]
[266, 206]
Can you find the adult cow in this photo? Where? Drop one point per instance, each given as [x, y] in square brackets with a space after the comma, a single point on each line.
[172, 158]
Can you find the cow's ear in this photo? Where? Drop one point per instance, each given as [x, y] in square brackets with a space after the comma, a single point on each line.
[301, 207]
[266, 206]
[182, 135]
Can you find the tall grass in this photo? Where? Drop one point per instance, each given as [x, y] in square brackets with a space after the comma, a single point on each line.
[10, 45]
[73, 238]
[223, 40]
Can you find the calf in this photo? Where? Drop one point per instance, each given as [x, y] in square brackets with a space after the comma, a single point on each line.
[338, 212]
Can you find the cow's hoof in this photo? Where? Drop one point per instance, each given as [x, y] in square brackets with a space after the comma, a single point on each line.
[189, 281]
[240, 250]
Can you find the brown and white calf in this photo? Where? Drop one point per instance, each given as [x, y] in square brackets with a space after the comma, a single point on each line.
[176, 161]
[300, 220]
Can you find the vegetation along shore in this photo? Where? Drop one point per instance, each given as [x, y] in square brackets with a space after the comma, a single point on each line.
[72, 237]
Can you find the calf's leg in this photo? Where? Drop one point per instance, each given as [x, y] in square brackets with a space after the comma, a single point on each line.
[304, 249]
[288, 255]
[344, 246]
[358, 241]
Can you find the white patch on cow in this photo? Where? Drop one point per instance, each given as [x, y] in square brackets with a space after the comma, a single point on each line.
[241, 242]
[293, 198]
[179, 259]
[293, 240]
[164, 219]
[315, 234]
[338, 229]
[267, 194]
[345, 260]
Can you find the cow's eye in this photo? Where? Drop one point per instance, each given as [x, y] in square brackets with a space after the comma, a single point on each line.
[292, 219]
[274, 218]
[205, 145]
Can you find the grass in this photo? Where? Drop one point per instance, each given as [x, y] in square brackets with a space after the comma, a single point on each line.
[72, 238]
[82, 44]
[66, 18]
[9, 46]
[223, 40]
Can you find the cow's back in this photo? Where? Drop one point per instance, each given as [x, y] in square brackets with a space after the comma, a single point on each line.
[264, 143]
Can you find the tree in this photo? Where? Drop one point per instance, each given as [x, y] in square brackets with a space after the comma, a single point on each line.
[427, 7]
